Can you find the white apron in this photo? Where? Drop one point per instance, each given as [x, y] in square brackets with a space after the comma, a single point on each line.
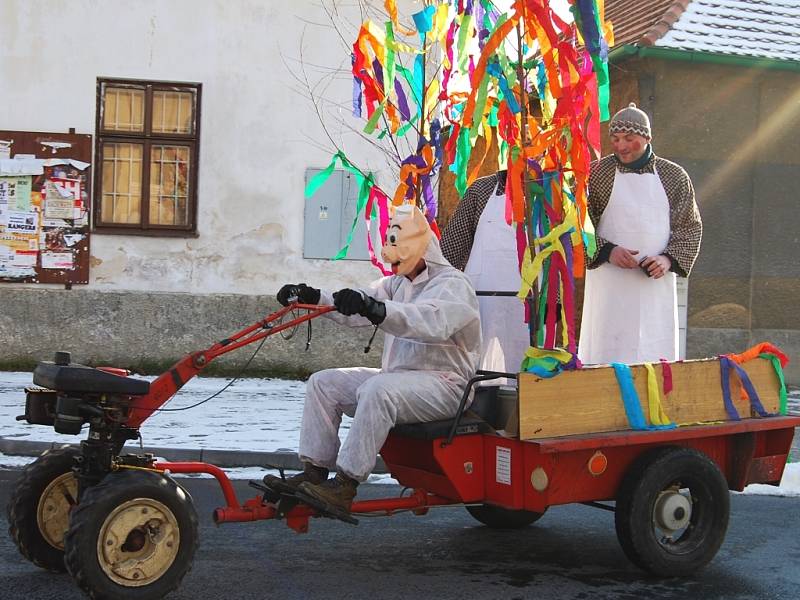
[493, 266]
[627, 316]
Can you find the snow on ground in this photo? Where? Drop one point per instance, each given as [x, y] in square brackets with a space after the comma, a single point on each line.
[253, 414]
[254, 473]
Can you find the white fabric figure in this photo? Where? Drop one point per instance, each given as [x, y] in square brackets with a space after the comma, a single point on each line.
[493, 267]
[431, 349]
[626, 321]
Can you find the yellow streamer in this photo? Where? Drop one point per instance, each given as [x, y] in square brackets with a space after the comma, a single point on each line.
[531, 268]
[391, 8]
[559, 354]
[657, 415]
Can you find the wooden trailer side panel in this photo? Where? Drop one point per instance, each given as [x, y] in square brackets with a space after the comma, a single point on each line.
[589, 401]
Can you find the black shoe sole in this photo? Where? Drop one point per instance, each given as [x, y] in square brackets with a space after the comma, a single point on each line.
[280, 486]
[325, 509]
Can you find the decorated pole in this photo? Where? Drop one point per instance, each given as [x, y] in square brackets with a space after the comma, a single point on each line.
[495, 66]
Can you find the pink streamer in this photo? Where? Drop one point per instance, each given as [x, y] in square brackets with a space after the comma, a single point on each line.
[376, 195]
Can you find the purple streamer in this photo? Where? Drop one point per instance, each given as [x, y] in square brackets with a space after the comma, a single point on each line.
[376, 67]
[357, 95]
[436, 142]
[427, 193]
[425, 181]
[402, 101]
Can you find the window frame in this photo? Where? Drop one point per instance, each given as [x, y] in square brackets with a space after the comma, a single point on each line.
[147, 139]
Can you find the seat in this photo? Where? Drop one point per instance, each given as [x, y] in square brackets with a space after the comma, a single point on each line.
[80, 379]
[485, 415]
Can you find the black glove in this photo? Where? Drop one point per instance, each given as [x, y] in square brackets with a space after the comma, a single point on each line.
[351, 302]
[303, 294]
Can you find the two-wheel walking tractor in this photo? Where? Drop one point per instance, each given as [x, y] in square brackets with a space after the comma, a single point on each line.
[124, 528]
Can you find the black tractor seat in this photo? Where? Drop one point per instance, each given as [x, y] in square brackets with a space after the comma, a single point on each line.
[80, 379]
[483, 416]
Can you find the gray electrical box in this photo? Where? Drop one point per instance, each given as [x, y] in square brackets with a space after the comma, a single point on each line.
[329, 216]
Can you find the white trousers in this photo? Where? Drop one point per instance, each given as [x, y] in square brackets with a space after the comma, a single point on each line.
[377, 402]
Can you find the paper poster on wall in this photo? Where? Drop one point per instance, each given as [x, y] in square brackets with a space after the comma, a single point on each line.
[15, 192]
[59, 203]
[22, 222]
[67, 187]
[57, 260]
[16, 264]
[25, 258]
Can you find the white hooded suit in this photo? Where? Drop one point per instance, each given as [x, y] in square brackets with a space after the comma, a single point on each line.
[431, 349]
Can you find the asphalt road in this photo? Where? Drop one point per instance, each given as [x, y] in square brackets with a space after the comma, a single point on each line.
[571, 553]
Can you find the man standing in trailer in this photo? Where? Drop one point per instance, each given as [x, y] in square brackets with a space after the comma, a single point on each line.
[648, 230]
[478, 241]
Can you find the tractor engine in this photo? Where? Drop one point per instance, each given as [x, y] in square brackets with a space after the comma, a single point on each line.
[71, 396]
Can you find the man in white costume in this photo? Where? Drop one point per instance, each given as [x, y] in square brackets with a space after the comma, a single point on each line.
[478, 241]
[429, 314]
[648, 231]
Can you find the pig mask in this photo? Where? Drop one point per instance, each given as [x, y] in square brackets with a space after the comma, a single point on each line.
[406, 239]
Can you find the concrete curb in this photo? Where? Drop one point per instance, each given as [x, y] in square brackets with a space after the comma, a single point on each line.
[220, 458]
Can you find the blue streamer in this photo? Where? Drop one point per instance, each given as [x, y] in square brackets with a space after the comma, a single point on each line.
[424, 19]
[724, 369]
[630, 399]
[755, 402]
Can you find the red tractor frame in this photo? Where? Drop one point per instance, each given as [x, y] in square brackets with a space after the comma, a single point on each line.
[124, 528]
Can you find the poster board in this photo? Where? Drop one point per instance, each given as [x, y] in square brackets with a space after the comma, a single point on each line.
[45, 203]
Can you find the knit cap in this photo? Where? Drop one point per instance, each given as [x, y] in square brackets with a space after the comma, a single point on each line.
[630, 120]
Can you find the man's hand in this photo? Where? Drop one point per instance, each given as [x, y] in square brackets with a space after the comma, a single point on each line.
[352, 302]
[623, 258]
[348, 302]
[298, 292]
[656, 266]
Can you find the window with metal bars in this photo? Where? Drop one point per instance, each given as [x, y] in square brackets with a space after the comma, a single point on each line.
[148, 135]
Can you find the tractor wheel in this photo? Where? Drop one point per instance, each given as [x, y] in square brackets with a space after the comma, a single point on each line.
[133, 537]
[497, 517]
[672, 511]
[39, 507]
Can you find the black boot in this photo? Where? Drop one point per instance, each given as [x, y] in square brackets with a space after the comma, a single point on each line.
[311, 473]
[337, 493]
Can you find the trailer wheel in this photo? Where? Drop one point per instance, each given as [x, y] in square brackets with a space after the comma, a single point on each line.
[672, 511]
[133, 537]
[39, 507]
[498, 517]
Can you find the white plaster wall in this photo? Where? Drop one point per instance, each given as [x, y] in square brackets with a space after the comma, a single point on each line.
[255, 128]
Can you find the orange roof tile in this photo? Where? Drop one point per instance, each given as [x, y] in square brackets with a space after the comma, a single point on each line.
[642, 22]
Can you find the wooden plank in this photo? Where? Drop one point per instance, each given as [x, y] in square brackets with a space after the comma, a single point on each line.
[589, 401]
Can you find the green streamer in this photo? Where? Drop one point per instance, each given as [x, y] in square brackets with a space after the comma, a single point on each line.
[463, 151]
[364, 186]
[480, 106]
[464, 34]
[776, 364]
[389, 72]
[373, 120]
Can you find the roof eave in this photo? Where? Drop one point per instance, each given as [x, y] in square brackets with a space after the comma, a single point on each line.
[626, 51]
